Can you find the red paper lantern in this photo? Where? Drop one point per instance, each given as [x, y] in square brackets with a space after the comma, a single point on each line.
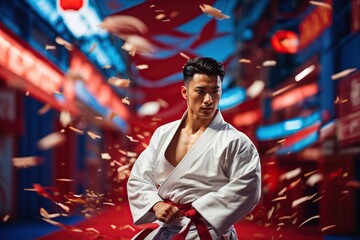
[71, 4]
[284, 41]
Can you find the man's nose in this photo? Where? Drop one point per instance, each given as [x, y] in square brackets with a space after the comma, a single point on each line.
[208, 98]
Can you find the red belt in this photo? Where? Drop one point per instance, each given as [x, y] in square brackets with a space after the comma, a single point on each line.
[189, 212]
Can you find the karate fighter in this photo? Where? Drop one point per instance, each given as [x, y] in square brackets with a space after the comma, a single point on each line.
[199, 175]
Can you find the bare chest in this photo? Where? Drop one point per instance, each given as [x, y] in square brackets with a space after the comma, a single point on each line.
[179, 146]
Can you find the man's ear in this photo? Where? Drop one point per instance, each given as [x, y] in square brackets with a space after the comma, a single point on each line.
[184, 92]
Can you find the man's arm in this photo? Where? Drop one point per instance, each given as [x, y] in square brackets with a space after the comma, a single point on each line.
[238, 197]
[141, 186]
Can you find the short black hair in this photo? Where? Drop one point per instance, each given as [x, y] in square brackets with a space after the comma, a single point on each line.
[203, 65]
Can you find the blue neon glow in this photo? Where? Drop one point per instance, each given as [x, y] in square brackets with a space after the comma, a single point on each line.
[288, 127]
[232, 97]
[300, 145]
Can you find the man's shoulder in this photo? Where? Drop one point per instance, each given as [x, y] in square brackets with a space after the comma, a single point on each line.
[230, 133]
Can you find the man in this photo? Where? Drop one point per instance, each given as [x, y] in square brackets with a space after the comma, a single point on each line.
[199, 175]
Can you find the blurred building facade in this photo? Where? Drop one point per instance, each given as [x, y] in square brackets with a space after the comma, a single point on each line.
[301, 61]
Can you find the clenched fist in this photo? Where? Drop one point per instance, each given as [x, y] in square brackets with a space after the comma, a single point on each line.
[166, 212]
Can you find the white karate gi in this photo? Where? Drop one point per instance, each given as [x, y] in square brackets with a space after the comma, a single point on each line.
[220, 176]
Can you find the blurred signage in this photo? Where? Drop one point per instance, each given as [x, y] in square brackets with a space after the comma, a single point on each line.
[355, 14]
[10, 112]
[97, 87]
[348, 126]
[18, 59]
[314, 24]
[294, 96]
[7, 106]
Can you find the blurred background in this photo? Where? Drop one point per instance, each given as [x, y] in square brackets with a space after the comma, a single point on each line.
[84, 83]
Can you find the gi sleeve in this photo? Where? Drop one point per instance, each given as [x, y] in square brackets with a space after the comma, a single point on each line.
[239, 196]
[141, 186]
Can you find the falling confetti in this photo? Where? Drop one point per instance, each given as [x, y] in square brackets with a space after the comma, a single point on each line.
[353, 184]
[282, 191]
[64, 43]
[184, 55]
[137, 44]
[216, 13]
[107, 66]
[93, 135]
[142, 66]
[160, 16]
[279, 199]
[63, 206]
[310, 173]
[131, 138]
[342, 73]
[320, 4]
[76, 130]
[30, 161]
[64, 180]
[50, 47]
[109, 203]
[149, 108]
[124, 25]
[112, 115]
[290, 174]
[51, 140]
[65, 118]
[45, 214]
[92, 48]
[308, 220]
[243, 60]
[119, 82]
[92, 230]
[270, 212]
[269, 63]
[125, 100]
[44, 109]
[302, 199]
[105, 156]
[327, 227]
[127, 226]
[6, 218]
[312, 180]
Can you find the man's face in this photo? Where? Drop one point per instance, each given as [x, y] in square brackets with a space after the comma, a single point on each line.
[203, 94]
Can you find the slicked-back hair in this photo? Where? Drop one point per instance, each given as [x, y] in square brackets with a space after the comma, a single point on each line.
[203, 65]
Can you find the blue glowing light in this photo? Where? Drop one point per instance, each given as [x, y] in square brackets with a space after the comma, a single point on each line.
[288, 127]
[300, 145]
[232, 97]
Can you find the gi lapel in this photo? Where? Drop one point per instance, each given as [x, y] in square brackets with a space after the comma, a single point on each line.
[196, 150]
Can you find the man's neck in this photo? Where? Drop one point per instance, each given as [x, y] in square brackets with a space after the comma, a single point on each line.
[194, 124]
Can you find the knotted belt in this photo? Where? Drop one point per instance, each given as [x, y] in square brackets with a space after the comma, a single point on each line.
[188, 212]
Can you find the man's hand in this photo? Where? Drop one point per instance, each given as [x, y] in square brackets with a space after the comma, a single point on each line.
[166, 212]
